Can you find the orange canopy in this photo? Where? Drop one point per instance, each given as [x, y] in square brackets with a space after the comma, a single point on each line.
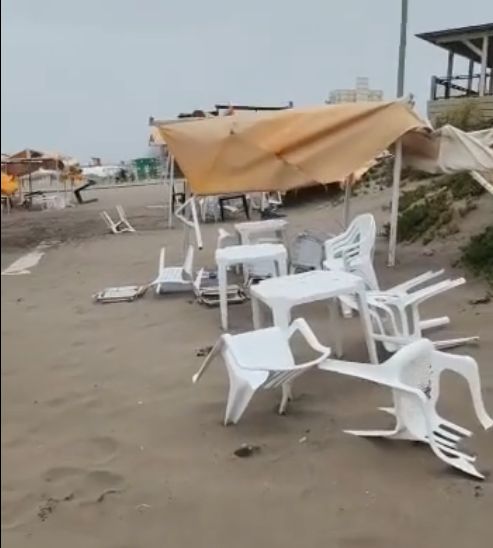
[282, 150]
[10, 185]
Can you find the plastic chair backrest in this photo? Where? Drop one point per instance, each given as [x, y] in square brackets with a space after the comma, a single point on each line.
[362, 231]
[307, 252]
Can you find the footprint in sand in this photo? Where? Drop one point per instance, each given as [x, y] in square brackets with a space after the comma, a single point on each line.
[83, 486]
[99, 485]
[97, 450]
[62, 473]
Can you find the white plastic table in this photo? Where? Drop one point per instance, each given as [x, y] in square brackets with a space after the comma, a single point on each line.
[284, 293]
[257, 229]
[249, 254]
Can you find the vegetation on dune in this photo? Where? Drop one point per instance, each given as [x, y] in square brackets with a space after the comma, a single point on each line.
[467, 117]
[431, 209]
[477, 255]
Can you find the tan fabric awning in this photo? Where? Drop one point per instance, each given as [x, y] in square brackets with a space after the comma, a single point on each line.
[287, 149]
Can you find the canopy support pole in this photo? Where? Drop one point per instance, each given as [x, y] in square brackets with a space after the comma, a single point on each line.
[394, 214]
[171, 192]
[348, 187]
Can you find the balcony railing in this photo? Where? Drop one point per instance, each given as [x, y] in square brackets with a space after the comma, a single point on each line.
[462, 85]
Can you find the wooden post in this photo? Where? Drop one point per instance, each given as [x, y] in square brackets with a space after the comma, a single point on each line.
[394, 214]
[484, 64]
[450, 70]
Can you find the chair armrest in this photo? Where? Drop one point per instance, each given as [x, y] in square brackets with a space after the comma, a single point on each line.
[205, 364]
[302, 326]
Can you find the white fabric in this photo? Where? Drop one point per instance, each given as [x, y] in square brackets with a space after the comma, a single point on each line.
[457, 151]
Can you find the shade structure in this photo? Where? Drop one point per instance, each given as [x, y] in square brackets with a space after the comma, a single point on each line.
[260, 152]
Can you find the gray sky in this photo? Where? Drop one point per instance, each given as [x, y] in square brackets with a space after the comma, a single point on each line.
[83, 77]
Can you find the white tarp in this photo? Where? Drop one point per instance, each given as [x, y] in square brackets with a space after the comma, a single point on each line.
[453, 150]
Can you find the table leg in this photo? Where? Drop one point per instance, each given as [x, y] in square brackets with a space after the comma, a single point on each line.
[256, 313]
[364, 315]
[222, 276]
[281, 317]
[335, 327]
[282, 268]
[245, 206]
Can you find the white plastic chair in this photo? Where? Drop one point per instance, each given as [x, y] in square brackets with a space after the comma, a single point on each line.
[413, 374]
[261, 359]
[396, 320]
[307, 252]
[175, 278]
[353, 250]
[209, 207]
[119, 226]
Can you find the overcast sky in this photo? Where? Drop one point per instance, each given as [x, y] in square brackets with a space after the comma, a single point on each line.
[82, 77]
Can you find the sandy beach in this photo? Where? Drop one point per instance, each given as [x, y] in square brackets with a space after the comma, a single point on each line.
[106, 443]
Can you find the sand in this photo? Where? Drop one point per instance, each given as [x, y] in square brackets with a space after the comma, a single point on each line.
[107, 443]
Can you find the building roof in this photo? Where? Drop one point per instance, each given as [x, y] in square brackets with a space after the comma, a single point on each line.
[453, 40]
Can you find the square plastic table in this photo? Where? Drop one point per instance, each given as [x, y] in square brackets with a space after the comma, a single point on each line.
[283, 293]
[259, 229]
[246, 254]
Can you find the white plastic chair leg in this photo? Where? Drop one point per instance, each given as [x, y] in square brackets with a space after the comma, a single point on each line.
[240, 394]
[286, 397]
[434, 322]
[222, 277]
[451, 343]
[335, 327]
[373, 433]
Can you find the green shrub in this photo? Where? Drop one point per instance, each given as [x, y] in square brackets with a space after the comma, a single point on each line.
[466, 116]
[417, 219]
[477, 255]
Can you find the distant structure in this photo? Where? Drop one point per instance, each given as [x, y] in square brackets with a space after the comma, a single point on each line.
[230, 108]
[362, 92]
[476, 87]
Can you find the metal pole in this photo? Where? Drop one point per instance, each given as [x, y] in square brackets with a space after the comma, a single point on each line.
[402, 50]
[348, 183]
[394, 214]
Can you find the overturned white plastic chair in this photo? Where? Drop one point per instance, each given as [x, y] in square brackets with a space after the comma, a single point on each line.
[121, 224]
[261, 359]
[174, 279]
[396, 321]
[413, 374]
